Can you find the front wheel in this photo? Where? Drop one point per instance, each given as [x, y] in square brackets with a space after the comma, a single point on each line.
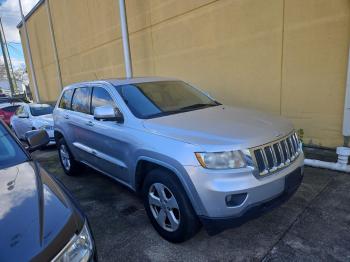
[68, 163]
[168, 207]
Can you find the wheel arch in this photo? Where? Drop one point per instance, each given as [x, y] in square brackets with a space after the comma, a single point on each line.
[145, 164]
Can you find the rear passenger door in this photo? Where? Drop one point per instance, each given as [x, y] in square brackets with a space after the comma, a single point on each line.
[79, 122]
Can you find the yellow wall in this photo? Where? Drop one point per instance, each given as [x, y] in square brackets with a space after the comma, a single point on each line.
[285, 57]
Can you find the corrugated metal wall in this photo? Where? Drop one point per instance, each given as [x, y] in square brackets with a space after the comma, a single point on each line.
[286, 57]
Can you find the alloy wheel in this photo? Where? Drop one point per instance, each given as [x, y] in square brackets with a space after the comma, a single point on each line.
[65, 159]
[164, 207]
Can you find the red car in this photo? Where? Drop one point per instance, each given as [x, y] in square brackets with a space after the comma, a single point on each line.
[7, 110]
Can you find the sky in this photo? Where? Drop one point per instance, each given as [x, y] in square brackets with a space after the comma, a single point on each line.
[10, 15]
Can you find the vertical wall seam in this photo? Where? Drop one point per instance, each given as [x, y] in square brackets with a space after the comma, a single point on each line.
[152, 41]
[54, 45]
[282, 54]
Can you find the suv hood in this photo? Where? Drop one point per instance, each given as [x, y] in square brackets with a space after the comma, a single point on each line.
[37, 218]
[224, 126]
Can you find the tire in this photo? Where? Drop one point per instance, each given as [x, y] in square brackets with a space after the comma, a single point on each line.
[178, 220]
[69, 164]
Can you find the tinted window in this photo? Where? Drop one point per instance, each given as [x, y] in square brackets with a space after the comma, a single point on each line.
[100, 97]
[81, 100]
[65, 102]
[39, 110]
[10, 152]
[10, 109]
[147, 100]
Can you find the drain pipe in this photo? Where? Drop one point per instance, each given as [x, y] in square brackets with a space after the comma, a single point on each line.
[341, 165]
[125, 37]
[343, 152]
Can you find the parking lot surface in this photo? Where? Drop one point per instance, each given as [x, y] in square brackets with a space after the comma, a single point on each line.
[314, 225]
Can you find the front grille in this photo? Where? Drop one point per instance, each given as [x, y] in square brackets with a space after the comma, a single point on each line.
[276, 155]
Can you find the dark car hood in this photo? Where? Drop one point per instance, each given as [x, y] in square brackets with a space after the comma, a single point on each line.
[37, 218]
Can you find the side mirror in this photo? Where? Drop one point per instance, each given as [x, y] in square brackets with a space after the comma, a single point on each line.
[108, 113]
[23, 115]
[36, 139]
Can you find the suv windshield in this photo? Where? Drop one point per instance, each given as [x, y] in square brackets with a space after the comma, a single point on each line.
[10, 152]
[154, 99]
[39, 110]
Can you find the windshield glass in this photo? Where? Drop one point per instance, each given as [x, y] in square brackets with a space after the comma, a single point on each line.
[10, 152]
[39, 110]
[154, 99]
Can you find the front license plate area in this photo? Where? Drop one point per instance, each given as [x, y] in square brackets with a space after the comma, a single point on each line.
[292, 181]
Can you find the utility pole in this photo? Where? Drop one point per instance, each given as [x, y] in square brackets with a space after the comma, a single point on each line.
[4, 55]
[31, 65]
[13, 78]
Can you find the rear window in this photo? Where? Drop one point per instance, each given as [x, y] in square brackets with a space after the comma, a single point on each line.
[39, 110]
[81, 100]
[10, 109]
[66, 99]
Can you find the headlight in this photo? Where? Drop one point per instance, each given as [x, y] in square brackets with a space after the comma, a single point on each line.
[79, 249]
[221, 160]
[46, 127]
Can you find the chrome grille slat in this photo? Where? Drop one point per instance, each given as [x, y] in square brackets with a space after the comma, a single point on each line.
[276, 155]
[281, 153]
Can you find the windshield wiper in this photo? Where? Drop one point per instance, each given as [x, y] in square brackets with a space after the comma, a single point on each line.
[194, 106]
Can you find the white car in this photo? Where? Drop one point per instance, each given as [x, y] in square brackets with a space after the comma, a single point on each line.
[33, 117]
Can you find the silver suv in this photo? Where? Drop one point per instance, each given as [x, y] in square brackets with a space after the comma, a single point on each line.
[194, 161]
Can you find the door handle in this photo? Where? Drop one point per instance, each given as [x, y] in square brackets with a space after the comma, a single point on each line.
[89, 123]
[66, 116]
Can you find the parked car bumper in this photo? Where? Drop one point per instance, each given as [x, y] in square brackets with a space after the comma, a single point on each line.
[52, 137]
[228, 195]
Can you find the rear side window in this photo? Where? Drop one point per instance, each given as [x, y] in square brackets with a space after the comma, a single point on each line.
[100, 97]
[66, 99]
[10, 109]
[81, 100]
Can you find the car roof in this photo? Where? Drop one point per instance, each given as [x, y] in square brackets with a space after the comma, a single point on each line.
[136, 80]
[3, 105]
[125, 81]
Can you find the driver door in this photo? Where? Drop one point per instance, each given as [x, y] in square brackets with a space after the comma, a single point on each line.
[21, 122]
[109, 140]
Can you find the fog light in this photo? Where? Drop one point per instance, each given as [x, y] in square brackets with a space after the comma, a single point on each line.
[235, 199]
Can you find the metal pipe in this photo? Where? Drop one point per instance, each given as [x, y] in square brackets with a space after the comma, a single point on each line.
[31, 65]
[54, 46]
[125, 37]
[4, 55]
[15, 87]
[346, 119]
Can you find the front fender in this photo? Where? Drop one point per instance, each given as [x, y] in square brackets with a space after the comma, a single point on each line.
[174, 166]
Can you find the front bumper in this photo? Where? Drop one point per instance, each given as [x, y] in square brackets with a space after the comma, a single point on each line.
[52, 137]
[216, 225]
[215, 187]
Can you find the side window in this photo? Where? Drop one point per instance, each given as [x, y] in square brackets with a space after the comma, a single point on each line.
[100, 97]
[65, 102]
[81, 100]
